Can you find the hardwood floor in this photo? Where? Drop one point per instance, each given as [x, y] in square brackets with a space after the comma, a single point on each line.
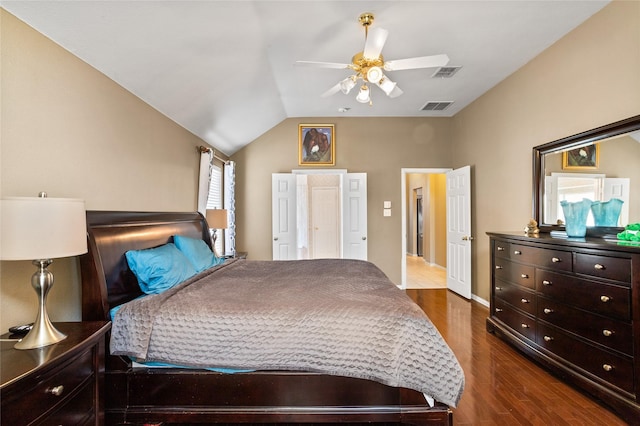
[503, 387]
[422, 275]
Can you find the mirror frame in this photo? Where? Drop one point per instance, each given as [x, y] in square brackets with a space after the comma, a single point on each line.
[590, 136]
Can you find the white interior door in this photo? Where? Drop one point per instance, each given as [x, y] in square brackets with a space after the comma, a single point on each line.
[283, 213]
[459, 231]
[354, 190]
[325, 222]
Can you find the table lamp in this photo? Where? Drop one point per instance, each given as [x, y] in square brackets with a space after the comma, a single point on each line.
[216, 219]
[41, 229]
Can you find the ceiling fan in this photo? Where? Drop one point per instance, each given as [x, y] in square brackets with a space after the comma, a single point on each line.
[369, 64]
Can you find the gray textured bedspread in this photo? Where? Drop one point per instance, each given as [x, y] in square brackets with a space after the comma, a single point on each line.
[332, 316]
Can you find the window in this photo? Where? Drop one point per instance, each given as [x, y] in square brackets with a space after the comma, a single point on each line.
[214, 201]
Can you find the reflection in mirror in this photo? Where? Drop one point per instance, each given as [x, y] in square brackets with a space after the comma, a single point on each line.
[600, 165]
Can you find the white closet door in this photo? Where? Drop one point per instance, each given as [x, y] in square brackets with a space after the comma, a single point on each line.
[354, 190]
[283, 213]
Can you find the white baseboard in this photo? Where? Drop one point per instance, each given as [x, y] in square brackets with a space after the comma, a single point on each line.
[479, 300]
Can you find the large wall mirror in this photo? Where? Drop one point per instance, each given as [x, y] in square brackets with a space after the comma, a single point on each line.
[599, 164]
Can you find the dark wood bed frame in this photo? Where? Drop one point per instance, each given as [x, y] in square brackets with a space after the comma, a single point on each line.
[188, 396]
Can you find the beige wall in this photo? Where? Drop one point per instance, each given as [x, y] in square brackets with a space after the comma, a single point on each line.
[587, 79]
[69, 130]
[379, 147]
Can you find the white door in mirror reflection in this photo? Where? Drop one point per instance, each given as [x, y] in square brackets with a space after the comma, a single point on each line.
[576, 186]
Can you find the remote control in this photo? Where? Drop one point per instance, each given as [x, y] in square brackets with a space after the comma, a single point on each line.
[20, 329]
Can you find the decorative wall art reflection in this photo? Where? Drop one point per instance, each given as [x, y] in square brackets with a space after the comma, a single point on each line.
[316, 145]
[585, 157]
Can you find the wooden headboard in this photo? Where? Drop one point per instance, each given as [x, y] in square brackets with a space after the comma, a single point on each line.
[107, 280]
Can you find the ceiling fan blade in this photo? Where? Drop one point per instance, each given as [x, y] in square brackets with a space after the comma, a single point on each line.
[323, 64]
[395, 92]
[335, 89]
[419, 62]
[375, 42]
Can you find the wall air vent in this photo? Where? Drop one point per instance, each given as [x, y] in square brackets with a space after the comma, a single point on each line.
[436, 106]
[445, 72]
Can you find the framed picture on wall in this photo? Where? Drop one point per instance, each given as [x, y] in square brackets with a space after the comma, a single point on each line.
[316, 145]
[584, 157]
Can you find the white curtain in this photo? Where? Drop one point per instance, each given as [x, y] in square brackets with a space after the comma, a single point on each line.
[206, 158]
[229, 194]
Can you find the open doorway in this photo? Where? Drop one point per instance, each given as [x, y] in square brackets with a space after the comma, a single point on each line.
[424, 241]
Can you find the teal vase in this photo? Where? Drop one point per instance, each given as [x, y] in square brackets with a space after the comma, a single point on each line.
[606, 213]
[575, 216]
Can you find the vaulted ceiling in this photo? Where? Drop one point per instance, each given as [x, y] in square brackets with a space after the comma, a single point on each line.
[225, 70]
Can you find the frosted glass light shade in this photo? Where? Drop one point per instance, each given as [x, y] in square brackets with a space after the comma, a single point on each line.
[347, 84]
[42, 228]
[386, 85]
[374, 74]
[363, 95]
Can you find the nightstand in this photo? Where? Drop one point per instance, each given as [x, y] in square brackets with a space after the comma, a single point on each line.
[238, 255]
[57, 384]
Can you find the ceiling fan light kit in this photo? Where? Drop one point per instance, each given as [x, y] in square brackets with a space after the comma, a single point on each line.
[363, 95]
[369, 63]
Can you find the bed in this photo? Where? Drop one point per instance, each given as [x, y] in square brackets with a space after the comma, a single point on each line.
[139, 393]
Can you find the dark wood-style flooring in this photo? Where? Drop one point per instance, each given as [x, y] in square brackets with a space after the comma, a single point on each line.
[503, 387]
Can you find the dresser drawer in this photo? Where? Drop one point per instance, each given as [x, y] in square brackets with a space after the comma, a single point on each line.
[607, 299]
[514, 272]
[501, 249]
[52, 391]
[612, 268]
[614, 334]
[516, 296]
[614, 369]
[548, 258]
[519, 322]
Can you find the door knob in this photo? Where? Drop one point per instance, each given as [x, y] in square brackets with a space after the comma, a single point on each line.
[275, 238]
[467, 238]
[364, 238]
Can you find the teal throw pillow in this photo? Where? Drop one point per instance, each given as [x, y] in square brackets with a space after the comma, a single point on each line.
[198, 252]
[160, 268]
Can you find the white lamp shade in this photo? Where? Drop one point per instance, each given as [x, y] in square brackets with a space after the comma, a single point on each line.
[217, 218]
[42, 228]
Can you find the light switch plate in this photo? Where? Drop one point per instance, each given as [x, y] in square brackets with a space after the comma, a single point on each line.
[387, 212]
[387, 204]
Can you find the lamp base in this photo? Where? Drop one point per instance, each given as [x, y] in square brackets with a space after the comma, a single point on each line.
[43, 332]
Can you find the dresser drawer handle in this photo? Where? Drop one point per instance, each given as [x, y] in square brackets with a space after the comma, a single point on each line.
[56, 390]
[547, 338]
[607, 333]
[517, 252]
[607, 367]
[605, 299]
[555, 260]
[546, 282]
[547, 311]
[498, 267]
[524, 300]
[523, 325]
[599, 267]
[524, 276]
[498, 288]
[500, 248]
[498, 309]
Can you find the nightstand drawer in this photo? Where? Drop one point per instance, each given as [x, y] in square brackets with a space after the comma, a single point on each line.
[52, 390]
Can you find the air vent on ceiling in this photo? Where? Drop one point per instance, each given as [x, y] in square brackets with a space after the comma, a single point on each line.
[436, 106]
[445, 72]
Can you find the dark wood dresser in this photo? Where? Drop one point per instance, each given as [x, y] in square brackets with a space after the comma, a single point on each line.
[573, 305]
[60, 384]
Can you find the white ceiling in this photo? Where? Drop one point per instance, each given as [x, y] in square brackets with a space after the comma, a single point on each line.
[225, 69]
